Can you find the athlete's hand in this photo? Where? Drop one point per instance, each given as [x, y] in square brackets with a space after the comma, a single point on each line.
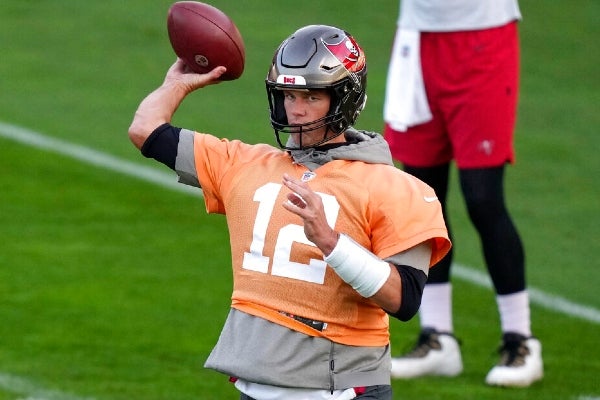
[308, 205]
[181, 75]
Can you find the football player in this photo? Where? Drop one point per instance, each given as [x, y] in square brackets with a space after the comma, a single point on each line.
[328, 238]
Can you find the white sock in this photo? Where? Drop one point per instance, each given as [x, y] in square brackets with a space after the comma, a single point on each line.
[514, 313]
[436, 307]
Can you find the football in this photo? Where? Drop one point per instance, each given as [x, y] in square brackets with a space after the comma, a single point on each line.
[205, 37]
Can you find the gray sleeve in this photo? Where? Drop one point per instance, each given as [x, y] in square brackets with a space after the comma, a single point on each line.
[417, 257]
[185, 165]
[413, 267]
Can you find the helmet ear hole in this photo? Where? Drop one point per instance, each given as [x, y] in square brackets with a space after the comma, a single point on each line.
[276, 107]
[280, 114]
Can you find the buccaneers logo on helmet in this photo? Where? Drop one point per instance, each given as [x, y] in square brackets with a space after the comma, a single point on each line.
[348, 52]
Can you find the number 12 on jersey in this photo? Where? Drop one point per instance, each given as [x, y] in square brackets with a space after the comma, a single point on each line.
[256, 260]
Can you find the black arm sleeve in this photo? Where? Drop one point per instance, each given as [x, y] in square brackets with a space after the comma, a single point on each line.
[162, 145]
[413, 282]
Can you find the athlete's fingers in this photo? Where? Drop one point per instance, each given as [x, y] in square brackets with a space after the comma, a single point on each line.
[290, 182]
[299, 188]
[296, 200]
[181, 74]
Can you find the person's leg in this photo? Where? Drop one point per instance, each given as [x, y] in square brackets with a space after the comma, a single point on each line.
[483, 191]
[481, 127]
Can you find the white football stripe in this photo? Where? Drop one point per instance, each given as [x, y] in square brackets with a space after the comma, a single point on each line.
[31, 391]
[94, 157]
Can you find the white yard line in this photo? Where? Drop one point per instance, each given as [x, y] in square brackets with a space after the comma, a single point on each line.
[168, 180]
[31, 391]
[93, 157]
[549, 301]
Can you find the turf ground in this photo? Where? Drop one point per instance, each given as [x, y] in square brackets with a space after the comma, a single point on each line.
[114, 286]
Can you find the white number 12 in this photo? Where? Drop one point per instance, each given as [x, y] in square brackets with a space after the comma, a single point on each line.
[255, 260]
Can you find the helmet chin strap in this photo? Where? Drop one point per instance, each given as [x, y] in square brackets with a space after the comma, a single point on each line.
[290, 142]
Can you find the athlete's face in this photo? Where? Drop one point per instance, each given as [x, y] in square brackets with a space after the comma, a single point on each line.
[305, 106]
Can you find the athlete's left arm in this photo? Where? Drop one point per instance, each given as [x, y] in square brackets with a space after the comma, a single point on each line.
[381, 281]
[412, 284]
[400, 295]
[413, 267]
[396, 288]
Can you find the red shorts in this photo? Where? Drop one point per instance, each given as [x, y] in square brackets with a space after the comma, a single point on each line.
[471, 80]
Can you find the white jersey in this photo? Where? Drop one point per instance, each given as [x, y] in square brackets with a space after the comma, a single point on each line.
[456, 15]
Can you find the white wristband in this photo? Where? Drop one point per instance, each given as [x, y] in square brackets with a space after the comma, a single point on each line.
[358, 267]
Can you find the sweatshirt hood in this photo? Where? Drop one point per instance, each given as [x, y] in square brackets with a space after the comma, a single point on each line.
[365, 146]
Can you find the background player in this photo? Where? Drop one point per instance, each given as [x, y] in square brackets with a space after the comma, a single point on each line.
[457, 64]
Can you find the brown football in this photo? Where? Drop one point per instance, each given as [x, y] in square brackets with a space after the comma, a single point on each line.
[205, 37]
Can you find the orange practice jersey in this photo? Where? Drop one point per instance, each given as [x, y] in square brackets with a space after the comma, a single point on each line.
[276, 269]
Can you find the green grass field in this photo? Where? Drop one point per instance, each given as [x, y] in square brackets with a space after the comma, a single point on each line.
[113, 287]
